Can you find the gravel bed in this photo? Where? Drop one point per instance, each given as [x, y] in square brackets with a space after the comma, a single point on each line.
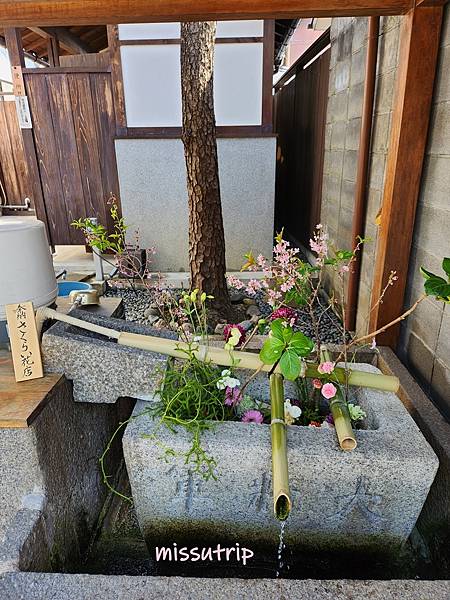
[137, 302]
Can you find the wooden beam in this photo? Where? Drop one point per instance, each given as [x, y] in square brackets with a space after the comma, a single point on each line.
[66, 38]
[90, 12]
[419, 46]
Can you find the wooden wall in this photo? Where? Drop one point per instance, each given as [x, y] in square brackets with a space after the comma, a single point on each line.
[300, 106]
[13, 166]
[74, 128]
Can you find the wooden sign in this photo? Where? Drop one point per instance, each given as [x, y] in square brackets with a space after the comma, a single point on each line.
[23, 336]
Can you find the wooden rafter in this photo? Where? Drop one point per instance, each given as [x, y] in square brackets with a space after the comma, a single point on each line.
[66, 38]
[23, 13]
[420, 35]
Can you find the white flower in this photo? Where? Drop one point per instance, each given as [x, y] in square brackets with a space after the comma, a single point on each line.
[291, 412]
[227, 381]
[356, 412]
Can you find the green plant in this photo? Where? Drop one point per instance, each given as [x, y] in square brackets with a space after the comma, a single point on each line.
[97, 235]
[190, 398]
[286, 348]
[437, 286]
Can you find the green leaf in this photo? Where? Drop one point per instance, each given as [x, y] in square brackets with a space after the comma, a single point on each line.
[277, 328]
[290, 365]
[446, 266]
[438, 287]
[426, 274]
[271, 351]
[287, 334]
[344, 254]
[301, 344]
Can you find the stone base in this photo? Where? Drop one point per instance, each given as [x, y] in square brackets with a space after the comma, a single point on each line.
[51, 486]
[101, 370]
[366, 499]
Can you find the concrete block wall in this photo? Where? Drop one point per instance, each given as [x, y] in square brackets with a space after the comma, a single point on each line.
[425, 337]
[346, 90]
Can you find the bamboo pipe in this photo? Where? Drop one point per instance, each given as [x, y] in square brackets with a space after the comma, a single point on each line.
[342, 423]
[282, 503]
[219, 356]
[341, 415]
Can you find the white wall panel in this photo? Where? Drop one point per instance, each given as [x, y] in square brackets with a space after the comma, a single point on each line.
[238, 84]
[149, 31]
[156, 31]
[240, 28]
[152, 87]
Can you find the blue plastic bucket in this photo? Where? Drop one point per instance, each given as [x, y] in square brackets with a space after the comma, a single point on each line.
[65, 287]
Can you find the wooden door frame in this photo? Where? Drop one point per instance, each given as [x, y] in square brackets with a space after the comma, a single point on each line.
[419, 45]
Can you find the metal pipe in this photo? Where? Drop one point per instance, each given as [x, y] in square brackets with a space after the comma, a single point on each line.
[360, 204]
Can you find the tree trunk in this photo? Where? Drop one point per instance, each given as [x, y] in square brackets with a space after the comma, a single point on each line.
[206, 235]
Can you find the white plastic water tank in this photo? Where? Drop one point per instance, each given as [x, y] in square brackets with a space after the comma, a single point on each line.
[26, 266]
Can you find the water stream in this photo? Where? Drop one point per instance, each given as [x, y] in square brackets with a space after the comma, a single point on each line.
[281, 547]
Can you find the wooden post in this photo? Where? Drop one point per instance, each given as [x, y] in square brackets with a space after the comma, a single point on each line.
[419, 46]
[16, 56]
[53, 51]
[117, 79]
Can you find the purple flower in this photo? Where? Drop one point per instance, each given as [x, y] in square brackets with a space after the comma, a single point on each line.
[227, 332]
[252, 416]
[232, 396]
[329, 419]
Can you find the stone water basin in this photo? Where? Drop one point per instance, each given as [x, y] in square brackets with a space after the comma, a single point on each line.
[368, 499]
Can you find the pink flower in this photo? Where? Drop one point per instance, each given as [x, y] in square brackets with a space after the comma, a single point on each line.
[235, 282]
[253, 286]
[252, 416]
[373, 345]
[326, 367]
[329, 391]
[232, 396]
[317, 384]
[283, 313]
[344, 269]
[227, 332]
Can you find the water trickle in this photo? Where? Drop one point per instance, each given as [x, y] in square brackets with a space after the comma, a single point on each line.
[281, 546]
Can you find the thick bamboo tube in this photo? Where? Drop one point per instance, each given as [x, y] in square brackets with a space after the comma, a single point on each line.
[219, 356]
[282, 503]
[342, 423]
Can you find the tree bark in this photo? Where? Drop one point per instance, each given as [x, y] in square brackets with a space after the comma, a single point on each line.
[206, 234]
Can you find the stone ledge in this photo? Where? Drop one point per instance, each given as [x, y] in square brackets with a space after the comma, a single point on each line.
[41, 586]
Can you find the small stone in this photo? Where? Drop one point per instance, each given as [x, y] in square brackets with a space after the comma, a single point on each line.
[249, 301]
[253, 311]
[151, 312]
[236, 296]
[152, 319]
[219, 328]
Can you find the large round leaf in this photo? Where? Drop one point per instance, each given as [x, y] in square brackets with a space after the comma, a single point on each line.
[290, 365]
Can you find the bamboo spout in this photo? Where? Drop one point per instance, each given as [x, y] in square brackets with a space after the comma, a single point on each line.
[342, 423]
[219, 356]
[282, 503]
